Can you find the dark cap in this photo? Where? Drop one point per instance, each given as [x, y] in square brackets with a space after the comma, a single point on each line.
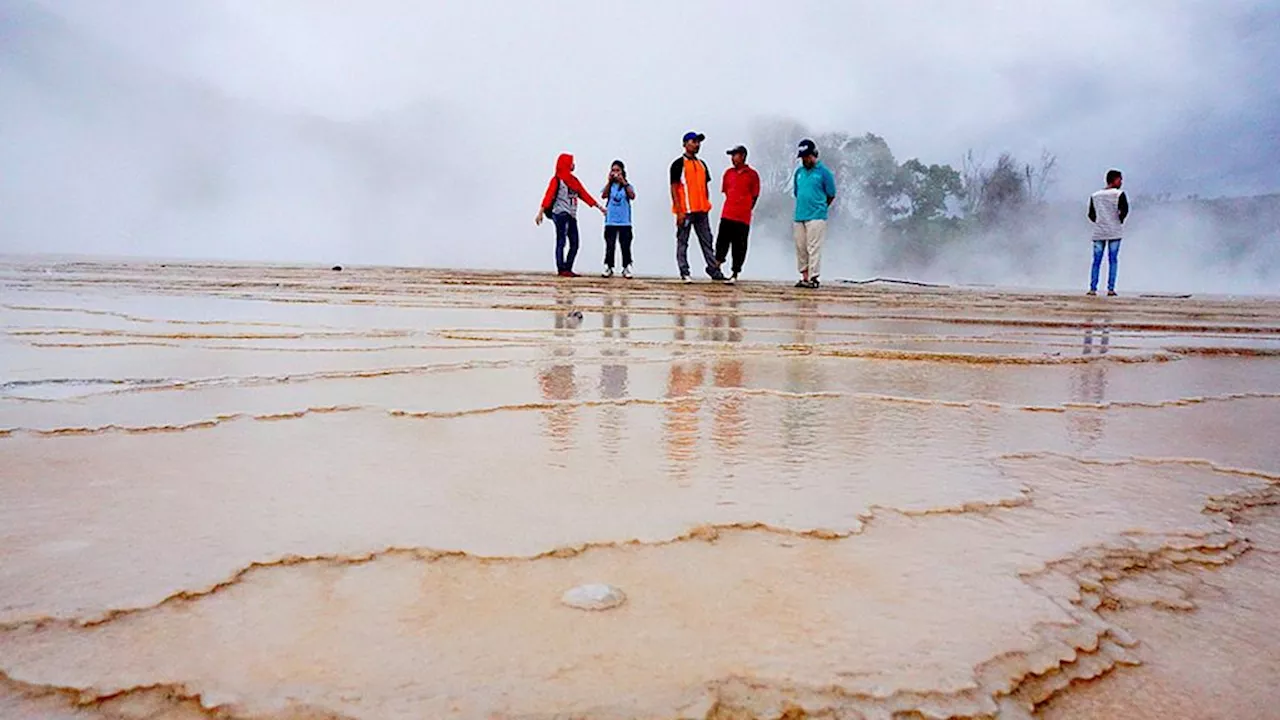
[694, 136]
[807, 147]
[737, 149]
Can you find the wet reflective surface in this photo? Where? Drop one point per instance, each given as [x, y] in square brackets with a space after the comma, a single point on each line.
[265, 492]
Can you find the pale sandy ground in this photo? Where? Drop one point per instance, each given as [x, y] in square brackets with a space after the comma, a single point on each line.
[274, 492]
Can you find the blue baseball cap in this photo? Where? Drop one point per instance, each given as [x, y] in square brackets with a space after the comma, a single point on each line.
[694, 136]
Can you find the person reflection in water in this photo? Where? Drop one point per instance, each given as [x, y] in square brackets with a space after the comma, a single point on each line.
[721, 323]
[802, 416]
[1104, 341]
[613, 372]
[1089, 387]
[681, 321]
[729, 419]
[680, 427]
[683, 381]
[557, 381]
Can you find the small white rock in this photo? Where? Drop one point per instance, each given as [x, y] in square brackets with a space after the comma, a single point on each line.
[594, 596]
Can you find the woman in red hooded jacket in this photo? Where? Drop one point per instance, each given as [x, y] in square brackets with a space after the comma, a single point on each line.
[560, 203]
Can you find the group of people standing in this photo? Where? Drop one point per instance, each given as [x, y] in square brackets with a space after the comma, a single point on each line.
[814, 188]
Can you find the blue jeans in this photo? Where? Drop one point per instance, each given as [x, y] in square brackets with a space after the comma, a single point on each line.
[1113, 259]
[566, 229]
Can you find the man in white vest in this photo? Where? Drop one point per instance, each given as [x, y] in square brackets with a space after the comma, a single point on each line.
[1108, 209]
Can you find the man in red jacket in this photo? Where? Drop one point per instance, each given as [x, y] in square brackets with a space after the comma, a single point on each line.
[560, 203]
[741, 188]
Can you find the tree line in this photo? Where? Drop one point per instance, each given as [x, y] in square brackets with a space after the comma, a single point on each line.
[916, 209]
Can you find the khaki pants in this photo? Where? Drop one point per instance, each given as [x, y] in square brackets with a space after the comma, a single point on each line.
[809, 236]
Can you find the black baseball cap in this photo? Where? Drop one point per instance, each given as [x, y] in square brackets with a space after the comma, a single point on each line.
[807, 148]
[737, 149]
[691, 135]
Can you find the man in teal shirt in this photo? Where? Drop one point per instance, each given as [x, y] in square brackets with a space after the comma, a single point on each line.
[815, 189]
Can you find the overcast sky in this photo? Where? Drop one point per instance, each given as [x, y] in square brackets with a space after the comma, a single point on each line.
[1181, 95]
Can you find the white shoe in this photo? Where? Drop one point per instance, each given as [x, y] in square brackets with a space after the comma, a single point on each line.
[608, 273]
[687, 280]
[626, 272]
[731, 280]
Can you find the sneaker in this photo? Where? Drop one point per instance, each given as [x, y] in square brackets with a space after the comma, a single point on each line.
[626, 272]
[565, 273]
[731, 280]
[1111, 293]
[570, 273]
[1092, 293]
[802, 283]
[608, 273]
[813, 282]
[686, 279]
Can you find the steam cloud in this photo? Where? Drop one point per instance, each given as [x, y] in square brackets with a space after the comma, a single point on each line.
[415, 133]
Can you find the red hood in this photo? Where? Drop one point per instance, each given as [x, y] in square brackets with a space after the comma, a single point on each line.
[564, 174]
[564, 166]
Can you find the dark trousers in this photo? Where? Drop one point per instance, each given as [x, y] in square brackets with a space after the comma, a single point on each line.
[732, 236]
[700, 224]
[614, 235]
[566, 229]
